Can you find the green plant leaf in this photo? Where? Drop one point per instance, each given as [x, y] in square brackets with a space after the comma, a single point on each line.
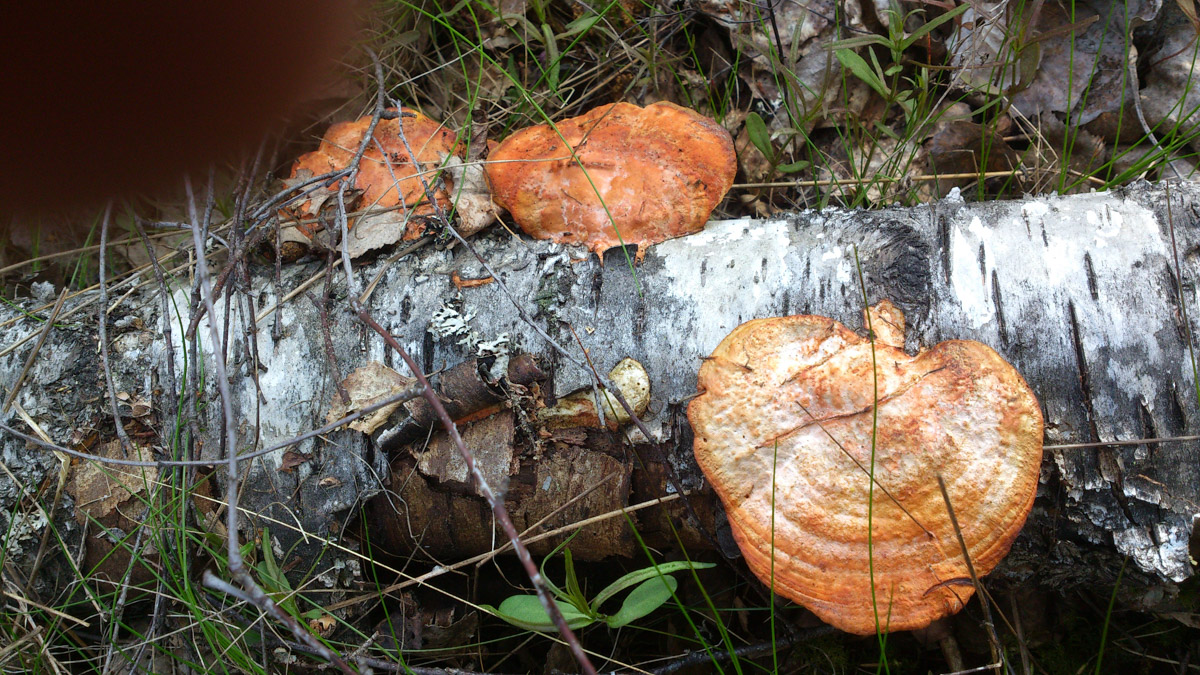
[861, 70]
[274, 581]
[638, 576]
[793, 167]
[552, 52]
[756, 129]
[647, 597]
[924, 30]
[558, 592]
[526, 611]
[856, 42]
[581, 25]
[574, 591]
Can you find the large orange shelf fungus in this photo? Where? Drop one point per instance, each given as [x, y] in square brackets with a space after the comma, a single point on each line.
[798, 392]
[659, 170]
[389, 180]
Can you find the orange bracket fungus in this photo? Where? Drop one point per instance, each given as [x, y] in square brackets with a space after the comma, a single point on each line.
[388, 185]
[625, 175]
[793, 400]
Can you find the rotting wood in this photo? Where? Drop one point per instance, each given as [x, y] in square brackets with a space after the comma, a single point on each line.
[1079, 293]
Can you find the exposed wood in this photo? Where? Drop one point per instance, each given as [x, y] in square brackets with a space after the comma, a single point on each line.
[1079, 293]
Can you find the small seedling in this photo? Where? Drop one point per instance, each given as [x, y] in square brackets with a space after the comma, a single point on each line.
[652, 587]
[756, 129]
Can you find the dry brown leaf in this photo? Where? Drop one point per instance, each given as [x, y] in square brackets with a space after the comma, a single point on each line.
[292, 459]
[579, 409]
[367, 386]
[470, 195]
[1071, 62]
[322, 625]
[101, 489]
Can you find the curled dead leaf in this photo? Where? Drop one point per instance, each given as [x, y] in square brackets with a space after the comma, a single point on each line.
[367, 386]
[579, 409]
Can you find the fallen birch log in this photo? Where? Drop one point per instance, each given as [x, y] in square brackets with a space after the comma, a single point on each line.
[1087, 296]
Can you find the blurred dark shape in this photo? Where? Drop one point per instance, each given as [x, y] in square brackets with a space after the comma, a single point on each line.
[113, 99]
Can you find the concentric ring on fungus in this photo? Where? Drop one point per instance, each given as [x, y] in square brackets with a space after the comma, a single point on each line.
[785, 389]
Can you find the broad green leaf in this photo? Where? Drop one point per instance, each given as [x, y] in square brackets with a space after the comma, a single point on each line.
[552, 53]
[861, 70]
[638, 576]
[646, 598]
[1029, 60]
[558, 592]
[580, 25]
[793, 167]
[923, 30]
[526, 611]
[274, 581]
[875, 63]
[756, 129]
[574, 591]
[856, 42]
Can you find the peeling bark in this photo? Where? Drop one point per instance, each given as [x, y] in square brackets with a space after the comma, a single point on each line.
[1079, 293]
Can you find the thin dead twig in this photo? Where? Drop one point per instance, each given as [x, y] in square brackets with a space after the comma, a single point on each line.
[237, 567]
[988, 625]
[323, 314]
[102, 327]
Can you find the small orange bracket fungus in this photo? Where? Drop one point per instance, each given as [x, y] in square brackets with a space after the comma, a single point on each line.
[793, 400]
[649, 174]
[388, 186]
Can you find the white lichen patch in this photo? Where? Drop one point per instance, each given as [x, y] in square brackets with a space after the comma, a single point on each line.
[451, 321]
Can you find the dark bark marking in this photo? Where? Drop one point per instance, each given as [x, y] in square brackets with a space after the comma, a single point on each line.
[1085, 385]
[406, 306]
[900, 264]
[997, 301]
[1091, 276]
[639, 321]
[1175, 407]
[597, 285]
[426, 352]
[1106, 457]
[1149, 428]
[943, 236]
[1172, 285]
